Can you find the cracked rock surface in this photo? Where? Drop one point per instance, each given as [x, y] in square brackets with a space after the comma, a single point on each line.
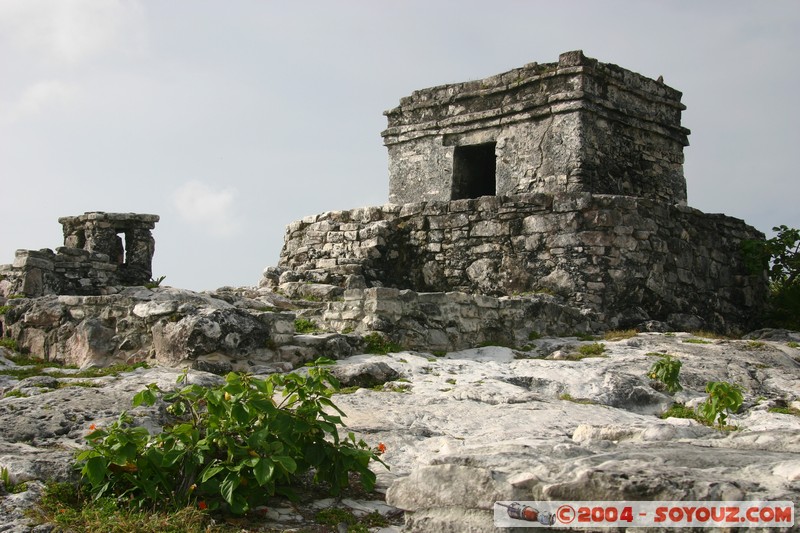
[473, 427]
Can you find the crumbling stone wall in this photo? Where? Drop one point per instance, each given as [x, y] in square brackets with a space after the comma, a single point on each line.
[454, 321]
[573, 126]
[101, 251]
[627, 259]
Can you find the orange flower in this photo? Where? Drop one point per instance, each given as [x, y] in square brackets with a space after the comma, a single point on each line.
[381, 447]
[92, 427]
[202, 506]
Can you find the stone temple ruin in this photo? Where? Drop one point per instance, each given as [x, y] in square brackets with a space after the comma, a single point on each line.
[556, 184]
[101, 250]
[549, 200]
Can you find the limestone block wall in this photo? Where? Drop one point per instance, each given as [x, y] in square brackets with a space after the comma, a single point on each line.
[575, 125]
[65, 271]
[101, 251]
[454, 320]
[125, 238]
[625, 258]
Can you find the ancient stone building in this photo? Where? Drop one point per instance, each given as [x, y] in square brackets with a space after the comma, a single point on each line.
[101, 250]
[573, 126]
[561, 180]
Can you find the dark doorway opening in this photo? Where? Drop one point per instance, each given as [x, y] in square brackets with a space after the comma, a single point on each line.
[474, 171]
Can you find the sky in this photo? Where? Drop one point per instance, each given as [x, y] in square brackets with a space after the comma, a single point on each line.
[230, 119]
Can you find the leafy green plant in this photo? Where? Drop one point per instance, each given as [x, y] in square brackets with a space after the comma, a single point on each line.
[678, 410]
[666, 370]
[4, 309]
[333, 516]
[793, 344]
[304, 325]
[723, 398]
[780, 258]
[229, 447]
[534, 335]
[375, 343]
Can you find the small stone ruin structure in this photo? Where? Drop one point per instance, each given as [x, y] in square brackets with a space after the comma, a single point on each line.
[101, 250]
[573, 126]
[558, 184]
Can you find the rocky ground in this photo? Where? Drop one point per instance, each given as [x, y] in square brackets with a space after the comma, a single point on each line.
[469, 428]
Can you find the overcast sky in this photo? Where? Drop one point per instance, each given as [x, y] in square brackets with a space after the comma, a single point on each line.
[230, 119]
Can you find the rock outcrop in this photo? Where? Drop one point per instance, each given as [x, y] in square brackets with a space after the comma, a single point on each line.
[169, 327]
[491, 424]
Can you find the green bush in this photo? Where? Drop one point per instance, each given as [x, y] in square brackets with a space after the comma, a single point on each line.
[4, 309]
[678, 410]
[666, 370]
[780, 257]
[723, 398]
[380, 345]
[229, 447]
[304, 325]
[595, 349]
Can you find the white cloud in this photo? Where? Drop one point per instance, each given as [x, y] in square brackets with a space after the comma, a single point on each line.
[210, 209]
[72, 31]
[40, 97]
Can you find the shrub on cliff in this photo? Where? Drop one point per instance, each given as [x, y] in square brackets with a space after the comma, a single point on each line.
[230, 447]
[780, 257]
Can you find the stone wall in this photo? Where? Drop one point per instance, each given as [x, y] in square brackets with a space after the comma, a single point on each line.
[576, 125]
[101, 251]
[441, 321]
[627, 259]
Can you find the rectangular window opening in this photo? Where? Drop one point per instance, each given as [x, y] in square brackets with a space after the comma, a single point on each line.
[120, 248]
[474, 168]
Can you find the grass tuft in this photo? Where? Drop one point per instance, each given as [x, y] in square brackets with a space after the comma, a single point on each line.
[618, 335]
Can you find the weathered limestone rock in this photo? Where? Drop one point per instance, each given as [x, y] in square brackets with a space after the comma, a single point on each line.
[487, 424]
[167, 326]
[365, 375]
